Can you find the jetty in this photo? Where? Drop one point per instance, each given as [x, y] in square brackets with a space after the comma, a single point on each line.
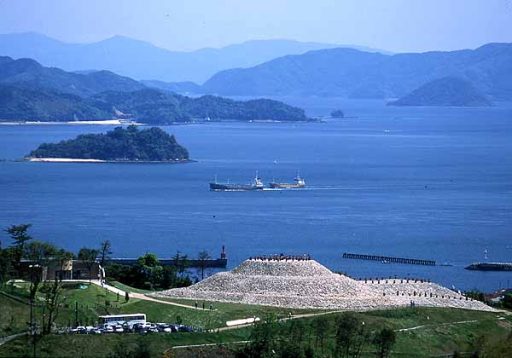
[490, 266]
[180, 261]
[390, 259]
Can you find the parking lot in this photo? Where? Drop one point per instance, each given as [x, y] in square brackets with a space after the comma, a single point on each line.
[141, 328]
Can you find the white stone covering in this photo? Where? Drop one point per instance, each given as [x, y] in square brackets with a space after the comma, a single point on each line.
[308, 284]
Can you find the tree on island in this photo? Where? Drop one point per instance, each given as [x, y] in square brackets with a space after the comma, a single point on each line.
[337, 114]
[130, 144]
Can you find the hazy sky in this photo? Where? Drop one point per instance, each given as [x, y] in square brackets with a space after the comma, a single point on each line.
[395, 25]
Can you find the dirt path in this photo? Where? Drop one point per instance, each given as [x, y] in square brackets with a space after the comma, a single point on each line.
[136, 295]
[435, 325]
[10, 338]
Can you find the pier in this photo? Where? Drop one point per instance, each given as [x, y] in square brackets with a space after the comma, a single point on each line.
[180, 261]
[397, 260]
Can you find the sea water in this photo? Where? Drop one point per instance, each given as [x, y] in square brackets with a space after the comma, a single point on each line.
[427, 183]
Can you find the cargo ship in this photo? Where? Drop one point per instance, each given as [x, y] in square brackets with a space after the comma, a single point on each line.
[256, 184]
[298, 183]
[490, 266]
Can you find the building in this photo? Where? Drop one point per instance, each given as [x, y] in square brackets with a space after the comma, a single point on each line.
[64, 270]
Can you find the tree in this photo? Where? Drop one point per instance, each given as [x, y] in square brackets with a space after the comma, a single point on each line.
[105, 252]
[181, 262]
[149, 267]
[6, 256]
[507, 300]
[321, 327]
[347, 328]
[384, 341]
[52, 302]
[40, 252]
[19, 235]
[88, 256]
[202, 259]
[263, 342]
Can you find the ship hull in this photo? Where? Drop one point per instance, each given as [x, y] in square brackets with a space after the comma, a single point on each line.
[233, 187]
[286, 186]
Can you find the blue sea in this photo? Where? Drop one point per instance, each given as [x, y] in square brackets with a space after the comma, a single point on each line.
[431, 183]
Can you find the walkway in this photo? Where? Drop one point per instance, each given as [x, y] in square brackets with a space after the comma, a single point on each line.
[136, 295]
[10, 338]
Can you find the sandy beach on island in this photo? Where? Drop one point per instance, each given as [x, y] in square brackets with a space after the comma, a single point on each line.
[109, 122]
[66, 160]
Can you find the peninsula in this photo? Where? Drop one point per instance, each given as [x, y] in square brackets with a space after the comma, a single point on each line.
[445, 92]
[118, 145]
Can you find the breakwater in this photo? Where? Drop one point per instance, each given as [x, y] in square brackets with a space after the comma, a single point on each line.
[389, 259]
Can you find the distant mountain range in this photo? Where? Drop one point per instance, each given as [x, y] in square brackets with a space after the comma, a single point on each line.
[30, 91]
[142, 60]
[30, 74]
[446, 91]
[356, 74]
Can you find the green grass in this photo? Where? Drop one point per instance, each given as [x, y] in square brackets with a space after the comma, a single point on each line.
[438, 334]
[103, 345]
[223, 312]
[127, 288]
[11, 316]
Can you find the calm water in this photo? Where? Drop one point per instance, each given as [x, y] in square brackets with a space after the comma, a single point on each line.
[422, 183]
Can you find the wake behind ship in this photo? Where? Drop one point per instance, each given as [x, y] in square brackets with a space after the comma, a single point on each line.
[256, 184]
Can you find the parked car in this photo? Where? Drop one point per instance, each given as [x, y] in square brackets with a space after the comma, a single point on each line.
[164, 327]
[118, 329]
[182, 328]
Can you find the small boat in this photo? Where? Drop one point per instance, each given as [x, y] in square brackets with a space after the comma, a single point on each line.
[298, 183]
[256, 184]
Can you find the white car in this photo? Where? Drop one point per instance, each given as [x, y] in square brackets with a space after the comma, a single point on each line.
[118, 329]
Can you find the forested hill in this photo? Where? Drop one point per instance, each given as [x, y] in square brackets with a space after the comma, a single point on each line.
[130, 144]
[356, 74]
[447, 91]
[31, 92]
[156, 107]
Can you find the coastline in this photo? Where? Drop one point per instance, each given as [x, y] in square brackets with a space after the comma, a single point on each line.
[107, 122]
[78, 160]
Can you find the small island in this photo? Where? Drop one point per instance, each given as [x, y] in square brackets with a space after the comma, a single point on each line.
[338, 113]
[118, 145]
[445, 92]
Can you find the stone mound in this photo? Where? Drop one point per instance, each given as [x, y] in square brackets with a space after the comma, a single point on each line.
[290, 268]
[308, 284]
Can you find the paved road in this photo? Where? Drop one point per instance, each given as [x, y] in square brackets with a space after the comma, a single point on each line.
[10, 338]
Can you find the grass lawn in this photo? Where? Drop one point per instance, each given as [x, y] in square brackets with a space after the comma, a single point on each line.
[438, 331]
[127, 288]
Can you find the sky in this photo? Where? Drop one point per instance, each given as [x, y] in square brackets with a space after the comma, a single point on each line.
[393, 25]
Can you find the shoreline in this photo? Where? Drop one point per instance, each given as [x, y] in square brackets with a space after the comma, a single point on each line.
[117, 122]
[100, 161]
[108, 122]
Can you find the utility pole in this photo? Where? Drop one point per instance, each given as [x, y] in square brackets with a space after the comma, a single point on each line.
[76, 314]
[32, 296]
